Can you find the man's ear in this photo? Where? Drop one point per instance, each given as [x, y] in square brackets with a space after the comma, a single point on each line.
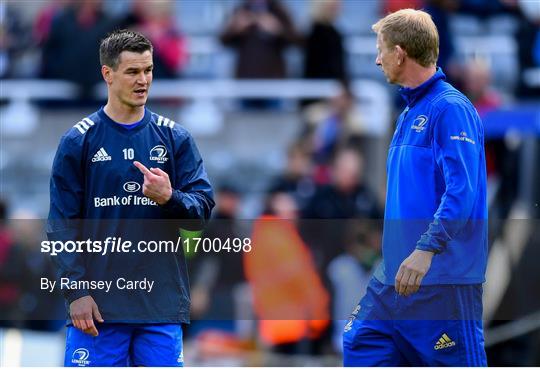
[106, 72]
[401, 54]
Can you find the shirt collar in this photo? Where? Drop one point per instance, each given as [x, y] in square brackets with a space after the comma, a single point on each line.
[134, 126]
[411, 95]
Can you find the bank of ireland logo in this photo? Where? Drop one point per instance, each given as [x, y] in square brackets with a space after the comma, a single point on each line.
[80, 357]
[159, 154]
[131, 186]
[419, 123]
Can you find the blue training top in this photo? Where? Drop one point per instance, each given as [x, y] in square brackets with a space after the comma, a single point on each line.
[94, 180]
[436, 186]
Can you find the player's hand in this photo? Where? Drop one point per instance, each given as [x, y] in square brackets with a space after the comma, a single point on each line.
[157, 185]
[83, 311]
[412, 271]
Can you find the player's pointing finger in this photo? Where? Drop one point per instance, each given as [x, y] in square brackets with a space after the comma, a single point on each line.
[144, 170]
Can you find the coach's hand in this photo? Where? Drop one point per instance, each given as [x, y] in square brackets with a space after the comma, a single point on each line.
[157, 185]
[412, 271]
[83, 311]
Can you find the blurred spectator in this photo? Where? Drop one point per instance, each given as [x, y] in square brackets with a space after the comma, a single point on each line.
[216, 276]
[290, 300]
[260, 30]
[390, 6]
[440, 11]
[346, 197]
[45, 17]
[333, 124]
[42, 310]
[476, 82]
[350, 272]
[156, 20]
[501, 160]
[324, 53]
[528, 40]
[297, 180]
[484, 8]
[22, 265]
[15, 39]
[71, 51]
[10, 274]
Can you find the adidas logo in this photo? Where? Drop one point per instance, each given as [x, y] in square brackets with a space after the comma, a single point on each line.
[101, 155]
[444, 342]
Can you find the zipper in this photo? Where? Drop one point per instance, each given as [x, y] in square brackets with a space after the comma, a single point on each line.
[399, 127]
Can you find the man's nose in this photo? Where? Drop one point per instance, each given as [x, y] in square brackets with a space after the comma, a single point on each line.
[378, 61]
[143, 80]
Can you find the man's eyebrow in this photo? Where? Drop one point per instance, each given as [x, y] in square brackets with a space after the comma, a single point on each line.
[136, 69]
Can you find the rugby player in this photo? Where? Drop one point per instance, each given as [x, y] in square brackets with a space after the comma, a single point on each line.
[125, 162]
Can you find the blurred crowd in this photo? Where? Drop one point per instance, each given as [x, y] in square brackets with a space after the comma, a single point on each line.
[323, 217]
[61, 38]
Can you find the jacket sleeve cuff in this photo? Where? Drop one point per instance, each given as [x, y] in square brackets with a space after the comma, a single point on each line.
[424, 247]
[175, 202]
[427, 243]
[73, 295]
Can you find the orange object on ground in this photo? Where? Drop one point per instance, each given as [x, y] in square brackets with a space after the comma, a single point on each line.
[289, 297]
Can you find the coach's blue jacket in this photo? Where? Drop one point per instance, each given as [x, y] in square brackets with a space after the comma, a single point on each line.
[436, 186]
[96, 192]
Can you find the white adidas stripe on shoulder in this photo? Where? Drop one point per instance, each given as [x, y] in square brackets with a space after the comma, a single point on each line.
[84, 125]
[165, 122]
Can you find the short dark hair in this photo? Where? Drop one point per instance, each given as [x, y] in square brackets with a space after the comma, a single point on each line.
[121, 40]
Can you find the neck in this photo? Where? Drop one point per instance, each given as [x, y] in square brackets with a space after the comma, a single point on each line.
[416, 74]
[123, 114]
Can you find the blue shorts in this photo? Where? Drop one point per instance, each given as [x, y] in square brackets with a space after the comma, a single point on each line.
[437, 326]
[126, 345]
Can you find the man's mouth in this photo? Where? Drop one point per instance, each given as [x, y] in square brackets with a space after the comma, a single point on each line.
[140, 91]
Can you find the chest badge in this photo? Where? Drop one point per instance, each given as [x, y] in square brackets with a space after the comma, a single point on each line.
[159, 154]
[419, 124]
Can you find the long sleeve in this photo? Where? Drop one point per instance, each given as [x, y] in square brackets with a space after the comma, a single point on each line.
[66, 212]
[458, 149]
[192, 196]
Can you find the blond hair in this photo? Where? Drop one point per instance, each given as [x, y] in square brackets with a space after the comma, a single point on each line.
[414, 31]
